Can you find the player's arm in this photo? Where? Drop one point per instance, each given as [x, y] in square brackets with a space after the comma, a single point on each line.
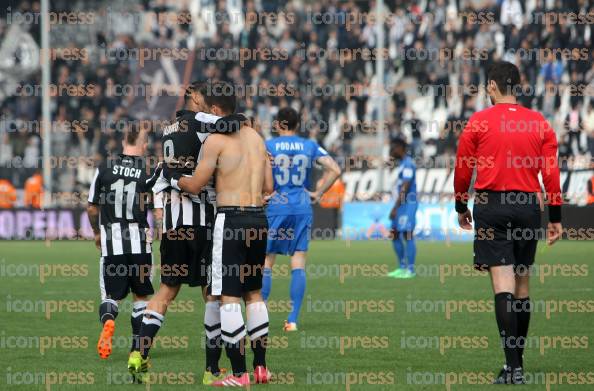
[157, 215]
[551, 180]
[268, 180]
[400, 198]
[331, 173]
[465, 164]
[150, 182]
[212, 148]
[93, 210]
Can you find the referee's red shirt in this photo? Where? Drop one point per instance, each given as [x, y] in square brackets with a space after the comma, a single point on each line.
[509, 145]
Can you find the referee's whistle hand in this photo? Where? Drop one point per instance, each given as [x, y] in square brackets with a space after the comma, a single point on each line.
[554, 231]
[465, 220]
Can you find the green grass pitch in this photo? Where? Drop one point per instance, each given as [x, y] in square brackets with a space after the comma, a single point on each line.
[358, 330]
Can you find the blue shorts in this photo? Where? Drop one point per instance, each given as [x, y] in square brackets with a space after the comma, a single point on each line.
[406, 218]
[288, 233]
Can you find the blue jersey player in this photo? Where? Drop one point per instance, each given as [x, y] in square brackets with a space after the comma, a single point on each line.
[289, 209]
[403, 214]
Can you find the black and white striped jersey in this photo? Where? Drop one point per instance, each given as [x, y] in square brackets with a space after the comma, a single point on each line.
[122, 189]
[182, 143]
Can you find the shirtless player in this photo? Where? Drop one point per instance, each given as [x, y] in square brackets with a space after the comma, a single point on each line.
[243, 176]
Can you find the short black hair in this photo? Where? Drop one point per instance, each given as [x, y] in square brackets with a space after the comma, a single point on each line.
[132, 135]
[195, 86]
[506, 75]
[221, 94]
[398, 140]
[287, 118]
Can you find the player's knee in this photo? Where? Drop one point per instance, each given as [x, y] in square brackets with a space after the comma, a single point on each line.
[298, 260]
[253, 296]
[141, 298]
[168, 293]
[269, 261]
[209, 298]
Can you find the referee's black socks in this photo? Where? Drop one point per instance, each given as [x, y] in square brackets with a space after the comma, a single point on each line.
[523, 308]
[108, 310]
[507, 321]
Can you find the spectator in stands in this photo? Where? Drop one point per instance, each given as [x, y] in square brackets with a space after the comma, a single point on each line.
[573, 126]
[414, 32]
[8, 194]
[34, 191]
[5, 149]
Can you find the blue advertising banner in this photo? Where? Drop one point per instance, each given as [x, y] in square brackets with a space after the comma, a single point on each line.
[370, 221]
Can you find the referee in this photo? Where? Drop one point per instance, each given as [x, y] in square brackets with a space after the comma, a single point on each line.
[509, 146]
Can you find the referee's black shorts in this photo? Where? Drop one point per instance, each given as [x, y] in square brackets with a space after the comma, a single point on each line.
[185, 255]
[507, 228]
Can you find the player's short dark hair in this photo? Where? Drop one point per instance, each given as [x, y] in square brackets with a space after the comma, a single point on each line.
[398, 141]
[193, 87]
[287, 118]
[506, 75]
[132, 135]
[221, 94]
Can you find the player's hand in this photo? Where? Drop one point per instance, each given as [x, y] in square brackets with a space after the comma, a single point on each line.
[270, 158]
[267, 198]
[314, 196]
[175, 170]
[98, 241]
[465, 220]
[554, 231]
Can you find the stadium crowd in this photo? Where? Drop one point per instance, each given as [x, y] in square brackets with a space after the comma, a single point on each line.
[436, 53]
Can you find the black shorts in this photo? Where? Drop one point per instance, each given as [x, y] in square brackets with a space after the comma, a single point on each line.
[120, 274]
[238, 250]
[506, 228]
[185, 256]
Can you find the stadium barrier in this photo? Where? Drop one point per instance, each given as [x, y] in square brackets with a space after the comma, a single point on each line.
[360, 221]
[368, 220]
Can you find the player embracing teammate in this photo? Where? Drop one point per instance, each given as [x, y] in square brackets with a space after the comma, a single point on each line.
[243, 178]
[187, 223]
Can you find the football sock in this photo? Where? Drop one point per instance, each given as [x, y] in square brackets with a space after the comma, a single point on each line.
[399, 250]
[507, 321]
[523, 309]
[297, 291]
[151, 323]
[266, 282]
[108, 309]
[212, 328]
[257, 329]
[233, 335]
[411, 254]
[136, 322]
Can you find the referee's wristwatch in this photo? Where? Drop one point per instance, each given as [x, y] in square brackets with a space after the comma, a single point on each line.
[461, 206]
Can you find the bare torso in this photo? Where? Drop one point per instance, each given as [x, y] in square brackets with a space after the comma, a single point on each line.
[240, 169]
